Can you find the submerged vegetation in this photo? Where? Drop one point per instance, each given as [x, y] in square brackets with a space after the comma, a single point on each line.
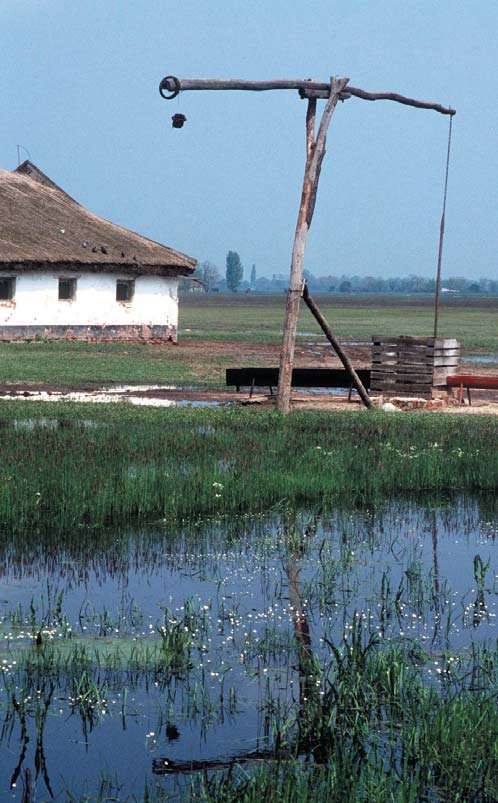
[91, 466]
[345, 656]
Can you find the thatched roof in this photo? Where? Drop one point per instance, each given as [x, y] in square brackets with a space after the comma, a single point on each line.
[42, 227]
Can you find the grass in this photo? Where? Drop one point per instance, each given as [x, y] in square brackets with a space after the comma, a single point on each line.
[372, 731]
[91, 365]
[254, 319]
[259, 318]
[377, 724]
[377, 732]
[179, 464]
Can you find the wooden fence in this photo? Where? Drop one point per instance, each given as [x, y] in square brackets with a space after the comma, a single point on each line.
[412, 366]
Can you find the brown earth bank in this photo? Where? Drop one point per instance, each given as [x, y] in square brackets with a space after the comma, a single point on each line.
[238, 353]
[245, 354]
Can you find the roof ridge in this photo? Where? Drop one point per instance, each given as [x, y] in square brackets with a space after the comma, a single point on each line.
[40, 223]
[32, 171]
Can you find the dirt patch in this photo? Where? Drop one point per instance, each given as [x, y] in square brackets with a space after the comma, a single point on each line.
[164, 396]
[240, 353]
[237, 354]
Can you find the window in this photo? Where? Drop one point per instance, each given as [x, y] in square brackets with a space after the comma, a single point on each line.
[67, 289]
[125, 289]
[7, 288]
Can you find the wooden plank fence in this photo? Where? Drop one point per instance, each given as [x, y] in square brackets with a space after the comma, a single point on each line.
[412, 366]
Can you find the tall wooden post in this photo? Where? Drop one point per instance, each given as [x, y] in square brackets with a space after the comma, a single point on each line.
[296, 277]
[315, 151]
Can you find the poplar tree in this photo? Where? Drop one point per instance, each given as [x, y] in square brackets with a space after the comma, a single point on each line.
[234, 271]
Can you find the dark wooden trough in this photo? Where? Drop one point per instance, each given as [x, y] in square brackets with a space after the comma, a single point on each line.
[301, 378]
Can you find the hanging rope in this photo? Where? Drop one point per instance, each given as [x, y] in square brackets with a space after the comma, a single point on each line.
[441, 234]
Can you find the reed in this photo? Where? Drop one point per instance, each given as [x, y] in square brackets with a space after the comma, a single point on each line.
[180, 464]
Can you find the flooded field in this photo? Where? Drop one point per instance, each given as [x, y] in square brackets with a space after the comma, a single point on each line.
[153, 658]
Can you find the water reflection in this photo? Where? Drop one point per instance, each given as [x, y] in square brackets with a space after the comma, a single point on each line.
[20, 711]
[295, 539]
[198, 647]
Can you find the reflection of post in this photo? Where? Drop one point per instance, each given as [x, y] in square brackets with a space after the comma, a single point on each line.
[309, 722]
[306, 741]
[434, 556]
[436, 597]
[480, 609]
[301, 632]
[307, 671]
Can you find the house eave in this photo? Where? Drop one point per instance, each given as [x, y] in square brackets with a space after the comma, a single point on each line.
[133, 268]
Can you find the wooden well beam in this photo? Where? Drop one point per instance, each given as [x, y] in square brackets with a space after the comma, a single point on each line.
[307, 88]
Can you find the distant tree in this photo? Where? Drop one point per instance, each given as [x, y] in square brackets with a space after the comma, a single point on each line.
[209, 274]
[234, 271]
[253, 274]
[456, 283]
[345, 286]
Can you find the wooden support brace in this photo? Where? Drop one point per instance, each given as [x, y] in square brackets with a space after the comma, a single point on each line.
[348, 365]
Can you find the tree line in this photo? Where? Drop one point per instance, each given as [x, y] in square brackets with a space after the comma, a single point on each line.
[233, 280]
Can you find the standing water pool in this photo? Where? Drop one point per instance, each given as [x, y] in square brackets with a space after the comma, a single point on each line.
[136, 659]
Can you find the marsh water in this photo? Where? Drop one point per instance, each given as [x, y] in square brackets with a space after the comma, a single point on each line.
[128, 653]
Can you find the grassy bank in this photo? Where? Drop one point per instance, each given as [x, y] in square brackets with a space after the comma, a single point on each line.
[65, 465]
[94, 365]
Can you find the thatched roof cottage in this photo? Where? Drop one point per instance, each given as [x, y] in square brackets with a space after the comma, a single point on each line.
[66, 273]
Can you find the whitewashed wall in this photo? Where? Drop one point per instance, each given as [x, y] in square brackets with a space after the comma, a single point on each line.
[36, 301]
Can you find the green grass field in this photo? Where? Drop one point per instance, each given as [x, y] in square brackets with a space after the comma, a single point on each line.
[95, 364]
[259, 318]
[252, 319]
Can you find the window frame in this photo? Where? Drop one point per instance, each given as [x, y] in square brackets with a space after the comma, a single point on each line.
[129, 284]
[11, 285]
[72, 283]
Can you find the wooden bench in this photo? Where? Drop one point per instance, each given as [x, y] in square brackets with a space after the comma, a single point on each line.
[301, 378]
[476, 381]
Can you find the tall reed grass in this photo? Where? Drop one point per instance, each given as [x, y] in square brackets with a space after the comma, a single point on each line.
[181, 463]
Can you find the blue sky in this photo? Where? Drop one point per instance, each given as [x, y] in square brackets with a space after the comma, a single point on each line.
[79, 90]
